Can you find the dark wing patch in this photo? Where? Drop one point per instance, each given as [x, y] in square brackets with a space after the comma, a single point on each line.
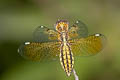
[39, 51]
[78, 30]
[90, 45]
[44, 34]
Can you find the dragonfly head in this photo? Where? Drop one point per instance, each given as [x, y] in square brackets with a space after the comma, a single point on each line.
[61, 26]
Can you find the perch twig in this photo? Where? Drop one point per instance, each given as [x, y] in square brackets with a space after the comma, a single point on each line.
[75, 75]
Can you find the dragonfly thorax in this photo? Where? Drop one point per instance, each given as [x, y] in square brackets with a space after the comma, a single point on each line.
[63, 37]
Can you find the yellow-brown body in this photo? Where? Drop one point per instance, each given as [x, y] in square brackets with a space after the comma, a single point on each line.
[66, 56]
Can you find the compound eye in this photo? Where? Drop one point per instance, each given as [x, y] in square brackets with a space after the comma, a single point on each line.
[60, 29]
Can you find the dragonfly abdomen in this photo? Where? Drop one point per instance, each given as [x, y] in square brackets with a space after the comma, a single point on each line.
[66, 58]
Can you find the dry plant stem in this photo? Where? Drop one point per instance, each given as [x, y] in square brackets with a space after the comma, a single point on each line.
[75, 75]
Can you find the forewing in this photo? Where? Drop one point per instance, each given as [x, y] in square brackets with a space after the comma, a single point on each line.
[44, 34]
[90, 45]
[78, 30]
[39, 51]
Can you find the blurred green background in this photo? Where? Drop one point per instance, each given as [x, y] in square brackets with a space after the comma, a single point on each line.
[19, 18]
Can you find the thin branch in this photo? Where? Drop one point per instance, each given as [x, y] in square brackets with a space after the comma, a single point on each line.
[75, 75]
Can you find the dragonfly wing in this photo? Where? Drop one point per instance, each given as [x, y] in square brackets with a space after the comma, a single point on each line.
[39, 51]
[44, 34]
[90, 45]
[78, 30]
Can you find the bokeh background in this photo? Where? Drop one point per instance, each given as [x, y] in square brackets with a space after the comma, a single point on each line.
[19, 18]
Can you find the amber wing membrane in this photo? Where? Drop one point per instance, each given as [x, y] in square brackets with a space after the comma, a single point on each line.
[39, 51]
[78, 30]
[90, 45]
[44, 34]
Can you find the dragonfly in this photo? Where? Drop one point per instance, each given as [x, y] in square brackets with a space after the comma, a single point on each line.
[64, 42]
